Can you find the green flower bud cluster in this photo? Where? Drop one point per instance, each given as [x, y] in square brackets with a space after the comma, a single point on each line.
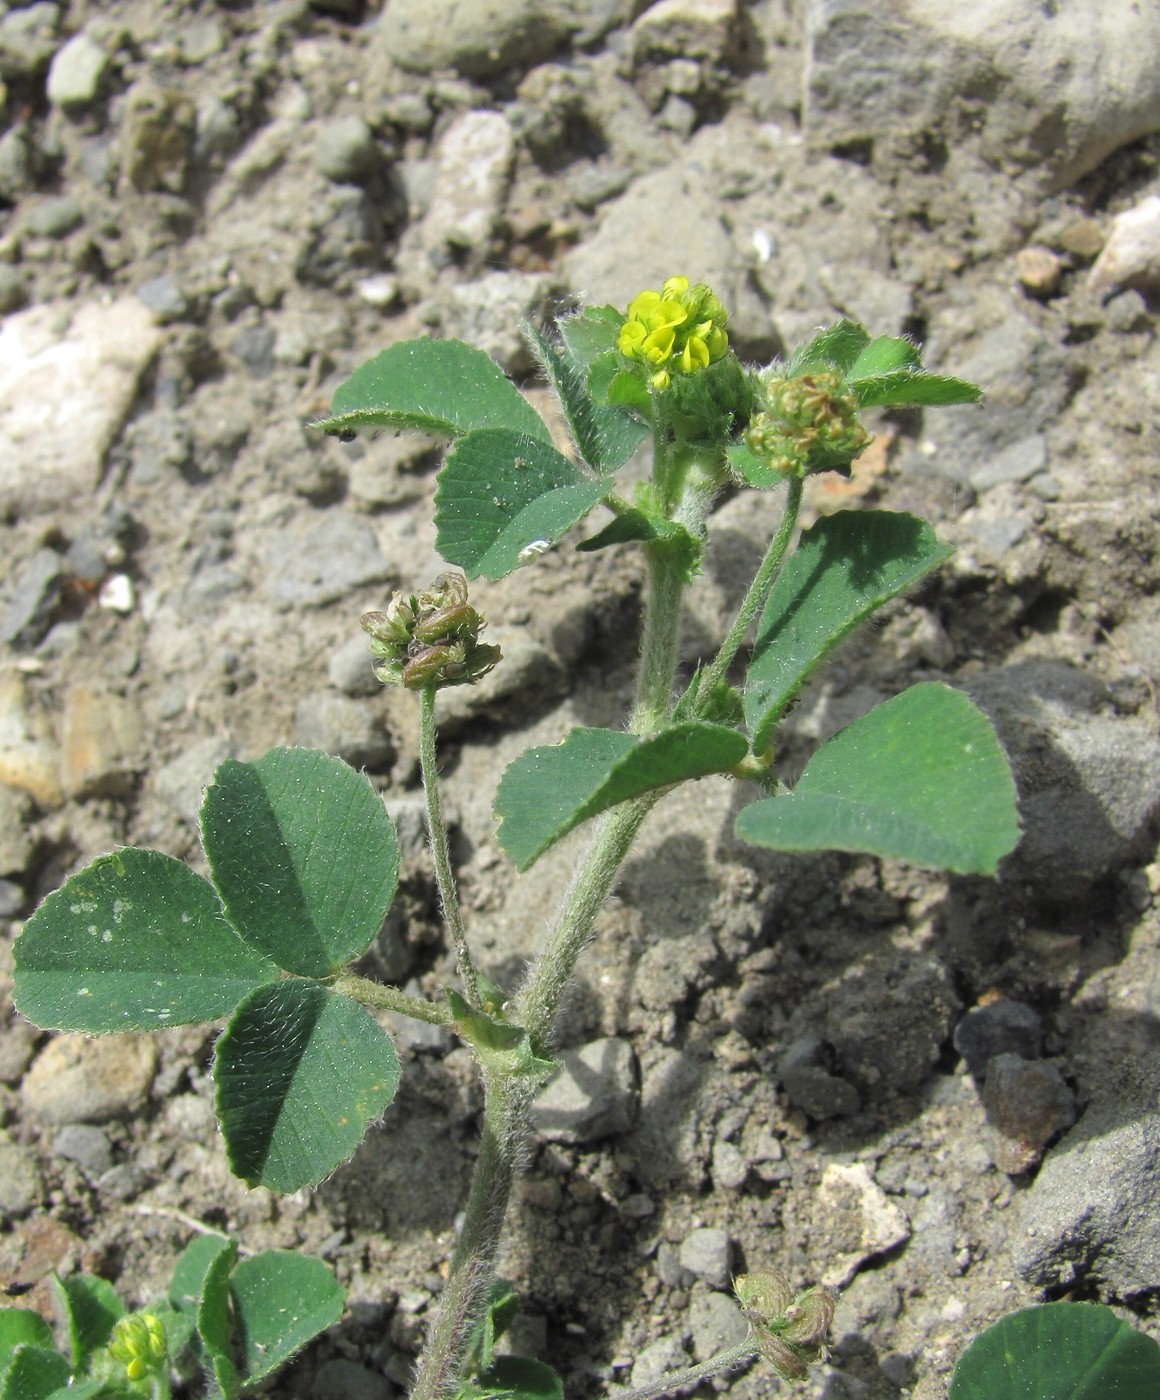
[679, 329]
[138, 1343]
[809, 423]
[790, 1330]
[430, 638]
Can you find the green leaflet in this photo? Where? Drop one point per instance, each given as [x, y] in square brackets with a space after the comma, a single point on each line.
[921, 778]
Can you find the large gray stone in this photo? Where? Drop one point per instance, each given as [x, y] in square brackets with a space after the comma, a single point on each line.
[1056, 88]
[593, 1096]
[478, 38]
[1093, 1212]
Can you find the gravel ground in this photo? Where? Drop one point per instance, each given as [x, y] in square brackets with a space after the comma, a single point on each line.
[937, 1094]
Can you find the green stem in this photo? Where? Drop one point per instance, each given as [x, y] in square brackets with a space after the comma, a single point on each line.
[539, 999]
[758, 591]
[441, 854]
[473, 1261]
[537, 1004]
[692, 1375]
[386, 998]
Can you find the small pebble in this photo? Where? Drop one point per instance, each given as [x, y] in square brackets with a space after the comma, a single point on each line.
[164, 298]
[1002, 1027]
[74, 77]
[21, 1188]
[349, 668]
[1039, 271]
[717, 1323]
[345, 150]
[707, 1253]
[345, 727]
[33, 594]
[1131, 256]
[85, 1145]
[1027, 1103]
[339, 1379]
[54, 217]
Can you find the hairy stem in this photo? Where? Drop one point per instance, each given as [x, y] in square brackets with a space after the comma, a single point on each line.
[536, 1006]
[758, 590]
[538, 1001]
[692, 1375]
[441, 854]
[473, 1261]
[387, 998]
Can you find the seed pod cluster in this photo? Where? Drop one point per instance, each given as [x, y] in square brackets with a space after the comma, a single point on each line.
[789, 1329]
[430, 639]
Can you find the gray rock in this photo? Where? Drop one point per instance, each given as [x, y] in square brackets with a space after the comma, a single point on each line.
[55, 216]
[75, 1080]
[408, 811]
[1131, 256]
[477, 38]
[17, 1045]
[350, 671]
[1089, 783]
[1093, 1211]
[654, 1360]
[182, 782]
[82, 379]
[346, 1380]
[345, 150]
[1065, 87]
[254, 346]
[318, 558]
[27, 38]
[21, 1188]
[344, 727]
[32, 598]
[77, 70]
[888, 1023]
[1027, 1104]
[670, 1270]
[85, 1145]
[16, 843]
[707, 1253]
[593, 1096]
[487, 313]
[729, 1166]
[11, 902]
[1001, 1027]
[716, 1323]
[13, 290]
[525, 676]
[1019, 461]
[806, 1075]
[164, 298]
[474, 162]
[632, 247]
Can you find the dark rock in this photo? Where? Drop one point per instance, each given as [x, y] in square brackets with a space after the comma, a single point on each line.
[998, 1028]
[32, 599]
[805, 1072]
[1027, 1104]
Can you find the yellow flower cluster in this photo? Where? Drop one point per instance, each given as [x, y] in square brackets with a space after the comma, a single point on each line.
[138, 1343]
[679, 328]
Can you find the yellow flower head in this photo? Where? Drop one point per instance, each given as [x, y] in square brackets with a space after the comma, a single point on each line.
[138, 1343]
[678, 329]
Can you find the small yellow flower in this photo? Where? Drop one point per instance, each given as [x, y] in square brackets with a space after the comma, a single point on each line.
[679, 328]
[138, 1343]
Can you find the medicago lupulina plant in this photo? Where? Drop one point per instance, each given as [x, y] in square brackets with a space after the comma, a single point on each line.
[303, 857]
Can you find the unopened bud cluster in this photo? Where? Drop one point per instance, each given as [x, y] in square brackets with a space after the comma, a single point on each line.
[430, 639]
[809, 423]
[789, 1329]
[138, 1343]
